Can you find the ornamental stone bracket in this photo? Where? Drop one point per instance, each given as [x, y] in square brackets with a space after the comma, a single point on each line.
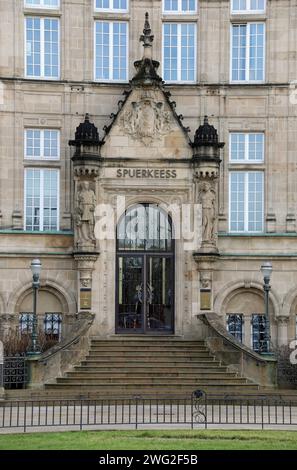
[85, 267]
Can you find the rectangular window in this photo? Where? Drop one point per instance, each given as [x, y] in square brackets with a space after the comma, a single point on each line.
[248, 52]
[247, 147]
[42, 48]
[52, 326]
[246, 196]
[26, 323]
[179, 6]
[259, 343]
[42, 3]
[234, 326]
[42, 144]
[179, 52]
[111, 51]
[248, 6]
[41, 199]
[110, 5]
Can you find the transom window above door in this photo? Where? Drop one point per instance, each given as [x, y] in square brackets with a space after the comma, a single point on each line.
[145, 227]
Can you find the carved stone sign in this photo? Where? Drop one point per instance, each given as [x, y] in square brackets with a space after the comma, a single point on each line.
[85, 299]
[146, 173]
[146, 120]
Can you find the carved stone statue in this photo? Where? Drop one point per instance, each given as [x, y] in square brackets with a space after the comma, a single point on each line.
[208, 202]
[84, 215]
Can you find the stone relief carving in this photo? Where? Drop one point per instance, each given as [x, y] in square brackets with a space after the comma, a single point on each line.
[146, 120]
[207, 197]
[205, 280]
[84, 215]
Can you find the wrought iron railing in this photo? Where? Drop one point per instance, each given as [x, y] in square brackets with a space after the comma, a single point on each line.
[199, 410]
[15, 372]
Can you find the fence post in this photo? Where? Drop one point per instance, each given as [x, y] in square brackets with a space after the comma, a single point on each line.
[136, 412]
[262, 414]
[81, 415]
[192, 411]
[1, 371]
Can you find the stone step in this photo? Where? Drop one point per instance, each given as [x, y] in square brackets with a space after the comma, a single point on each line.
[144, 348]
[173, 359]
[148, 368]
[135, 381]
[143, 375]
[138, 339]
[151, 353]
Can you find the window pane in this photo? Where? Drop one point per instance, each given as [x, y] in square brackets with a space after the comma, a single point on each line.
[43, 3]
[234, 325]
[256, 51]
[33, 58]
[187, 52]
[237, 147]
[237, 201]
[170, 43]
[33, 148]
[239, 52]
[256, 147]
[32, 199]
[119, 51]
[51, 48]
[258, 333]
[50, 200]
[51, 147]
[255, 204]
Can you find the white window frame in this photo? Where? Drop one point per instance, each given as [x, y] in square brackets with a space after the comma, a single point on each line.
[41, 217]
[43, 5]
[247, 57]
[42, 156]
[179, 9]
[246, 201]
[246, 149]
[111, 8]
[110, 79]
[179, 80]
[248, 9]
[42, 76]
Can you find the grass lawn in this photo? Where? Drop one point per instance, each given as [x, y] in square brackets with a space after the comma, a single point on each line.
[152, 440]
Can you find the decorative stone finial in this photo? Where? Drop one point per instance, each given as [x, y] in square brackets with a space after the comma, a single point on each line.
[207, 136]
[147, 38]
[86, 133]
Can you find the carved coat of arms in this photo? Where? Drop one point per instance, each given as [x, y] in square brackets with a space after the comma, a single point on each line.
[146, 120]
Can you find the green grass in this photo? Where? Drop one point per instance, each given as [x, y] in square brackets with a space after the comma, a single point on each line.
[152, 440]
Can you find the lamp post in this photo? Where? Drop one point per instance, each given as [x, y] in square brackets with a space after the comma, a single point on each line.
[266, 270]
[36, 269]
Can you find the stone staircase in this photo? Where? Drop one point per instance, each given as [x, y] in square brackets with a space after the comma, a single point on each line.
[152, 366]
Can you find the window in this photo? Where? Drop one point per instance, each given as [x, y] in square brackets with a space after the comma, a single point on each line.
[179, 52]
[234, 326]
[179, 6]
[248, 52]
[248, 6]
[246, 201]
[43, 3]
[42, 144]
[42, 47]
[107, 5]
[258, 333]
[247, 147]
[26, 323]
[111, 51]
[52, 326]
[41, 199]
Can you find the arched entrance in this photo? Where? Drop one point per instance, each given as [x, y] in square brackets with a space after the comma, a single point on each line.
[145, 271]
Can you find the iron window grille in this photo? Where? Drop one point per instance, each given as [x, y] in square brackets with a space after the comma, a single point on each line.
[235, 326]
[53, 326]
[258, 333]
[26, 323]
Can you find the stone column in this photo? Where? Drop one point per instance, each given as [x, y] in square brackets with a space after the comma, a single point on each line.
[282, 330]
[247, 340]
[87, 163]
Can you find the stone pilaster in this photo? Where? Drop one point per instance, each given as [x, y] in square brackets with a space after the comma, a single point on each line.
[282, 330]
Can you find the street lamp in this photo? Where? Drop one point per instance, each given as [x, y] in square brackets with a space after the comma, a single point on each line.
[266, 270]
[35, 269]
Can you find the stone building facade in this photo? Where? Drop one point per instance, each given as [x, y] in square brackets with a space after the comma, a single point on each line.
[62, 59]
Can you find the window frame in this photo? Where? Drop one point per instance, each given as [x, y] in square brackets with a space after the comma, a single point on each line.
[248, 10]
[111, 9]
[179, 10]
[246, 160]
[42, 157]
[246, 202]
[179, 81]
[42, 76]
[41, 195]
[247, 55]
[42, 5]
[110, 67]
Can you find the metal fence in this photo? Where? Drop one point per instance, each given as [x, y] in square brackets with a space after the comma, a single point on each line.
[15, 372]
[199, 410]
